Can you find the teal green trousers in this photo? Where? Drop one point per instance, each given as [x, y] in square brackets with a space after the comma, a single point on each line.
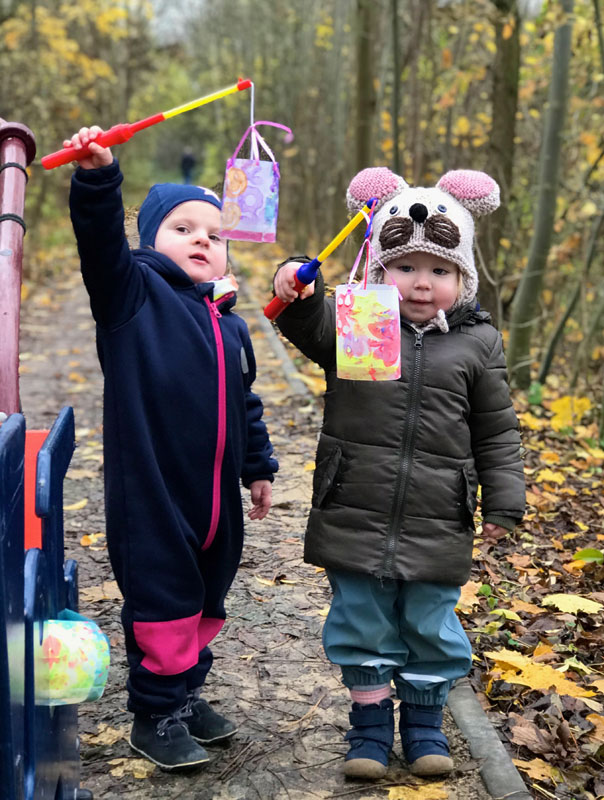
[383, 630]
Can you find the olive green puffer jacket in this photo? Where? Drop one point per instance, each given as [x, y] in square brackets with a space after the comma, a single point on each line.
[399, 462]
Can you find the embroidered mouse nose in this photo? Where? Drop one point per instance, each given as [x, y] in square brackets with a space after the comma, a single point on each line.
[418, 212]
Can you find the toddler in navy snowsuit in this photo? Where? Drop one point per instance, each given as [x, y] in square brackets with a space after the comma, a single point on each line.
[181, 429]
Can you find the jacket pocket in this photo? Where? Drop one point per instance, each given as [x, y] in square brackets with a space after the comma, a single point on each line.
[324, 480]
[468, 499]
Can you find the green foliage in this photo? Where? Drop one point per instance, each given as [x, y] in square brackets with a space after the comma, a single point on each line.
[590, 555]
[535, 393]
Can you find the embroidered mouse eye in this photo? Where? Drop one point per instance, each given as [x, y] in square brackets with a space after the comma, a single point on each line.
[393, 209]
[441, 208]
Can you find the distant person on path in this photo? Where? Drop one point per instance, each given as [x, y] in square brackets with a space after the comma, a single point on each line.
[187, 165]
[399, 463]
[181, 428]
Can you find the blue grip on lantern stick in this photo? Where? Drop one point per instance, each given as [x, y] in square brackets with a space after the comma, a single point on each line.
[308, 272]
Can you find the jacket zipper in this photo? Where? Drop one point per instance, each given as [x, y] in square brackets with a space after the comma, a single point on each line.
[406, 450]
[221, 436]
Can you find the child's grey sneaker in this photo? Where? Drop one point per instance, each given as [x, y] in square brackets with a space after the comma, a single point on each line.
[166, 741]
[206, 725]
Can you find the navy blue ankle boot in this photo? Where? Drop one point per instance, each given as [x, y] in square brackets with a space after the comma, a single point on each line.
[424, 744]
[371, 739]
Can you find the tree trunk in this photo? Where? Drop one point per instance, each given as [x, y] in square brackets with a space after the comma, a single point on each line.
[583, 350]
[366, 96]
[396, 78]
[598, 17]
[504, 94]
[553, 342]
[529, 288]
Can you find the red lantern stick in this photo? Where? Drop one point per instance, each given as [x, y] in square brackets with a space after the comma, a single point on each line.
[123, 131]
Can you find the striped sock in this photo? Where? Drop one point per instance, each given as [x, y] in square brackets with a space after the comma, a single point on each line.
[366, 695]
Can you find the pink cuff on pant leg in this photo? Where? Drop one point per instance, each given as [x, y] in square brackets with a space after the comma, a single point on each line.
[208, 629]
[173, 646]
[170, 647]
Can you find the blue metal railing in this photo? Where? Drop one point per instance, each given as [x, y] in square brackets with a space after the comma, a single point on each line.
[40, 747]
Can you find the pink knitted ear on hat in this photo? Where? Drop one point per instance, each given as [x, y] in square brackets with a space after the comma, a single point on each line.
[377, 182]
[475, 190]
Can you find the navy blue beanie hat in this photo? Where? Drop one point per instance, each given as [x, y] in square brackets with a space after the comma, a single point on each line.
[163, 198]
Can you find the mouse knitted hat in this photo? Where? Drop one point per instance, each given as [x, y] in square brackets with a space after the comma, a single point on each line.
[438, 220]
[161, 200]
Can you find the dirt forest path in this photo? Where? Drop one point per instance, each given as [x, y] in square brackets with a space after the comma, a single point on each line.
[270, 674]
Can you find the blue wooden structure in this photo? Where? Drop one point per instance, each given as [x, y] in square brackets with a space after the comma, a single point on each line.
[39, 746]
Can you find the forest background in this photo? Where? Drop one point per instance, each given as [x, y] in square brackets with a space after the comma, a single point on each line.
[511, 87]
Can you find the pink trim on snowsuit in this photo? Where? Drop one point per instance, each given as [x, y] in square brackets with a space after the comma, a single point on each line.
[173, 646]
[221, 436]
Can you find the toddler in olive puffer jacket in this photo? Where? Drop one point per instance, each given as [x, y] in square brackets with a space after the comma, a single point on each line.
[399, 463]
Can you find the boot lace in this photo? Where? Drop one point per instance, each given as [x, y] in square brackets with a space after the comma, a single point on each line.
[172, 720]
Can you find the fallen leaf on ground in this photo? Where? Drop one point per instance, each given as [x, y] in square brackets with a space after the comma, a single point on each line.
[431, 791]
[571, 603]
[137, 767]
[105, 735]
[76, 506]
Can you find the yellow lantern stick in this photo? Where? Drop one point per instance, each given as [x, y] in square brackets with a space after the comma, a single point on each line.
[308, 272]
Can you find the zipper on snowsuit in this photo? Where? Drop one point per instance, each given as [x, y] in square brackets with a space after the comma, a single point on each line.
[406, 451]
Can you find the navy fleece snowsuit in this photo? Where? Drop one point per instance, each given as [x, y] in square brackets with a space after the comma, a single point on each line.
[181, 428]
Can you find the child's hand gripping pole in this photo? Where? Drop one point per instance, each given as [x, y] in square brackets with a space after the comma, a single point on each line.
[308, 272]
[124, 131]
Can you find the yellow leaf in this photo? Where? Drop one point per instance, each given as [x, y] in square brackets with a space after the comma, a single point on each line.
[323, 612]
[91, 538]
[574, 566]
[137, 767]
[549, 457]
[598, 722]
[264, 581]
[542, 649]
[77, 378]
[509, 658]
[550, 475]
[106, 735]
[76, 506]
[571, 603]
[508, 30]
[568, 410]
[529, 608]
[431, 791]
[532, 422]
[468, 597]
[596, 452]
[538, 769]
[518, 669]
[505, 612]
[309, 466]
[542, 502]
[588, 209]
[462, 126]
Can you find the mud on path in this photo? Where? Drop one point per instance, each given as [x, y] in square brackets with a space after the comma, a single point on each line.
[269, 674]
